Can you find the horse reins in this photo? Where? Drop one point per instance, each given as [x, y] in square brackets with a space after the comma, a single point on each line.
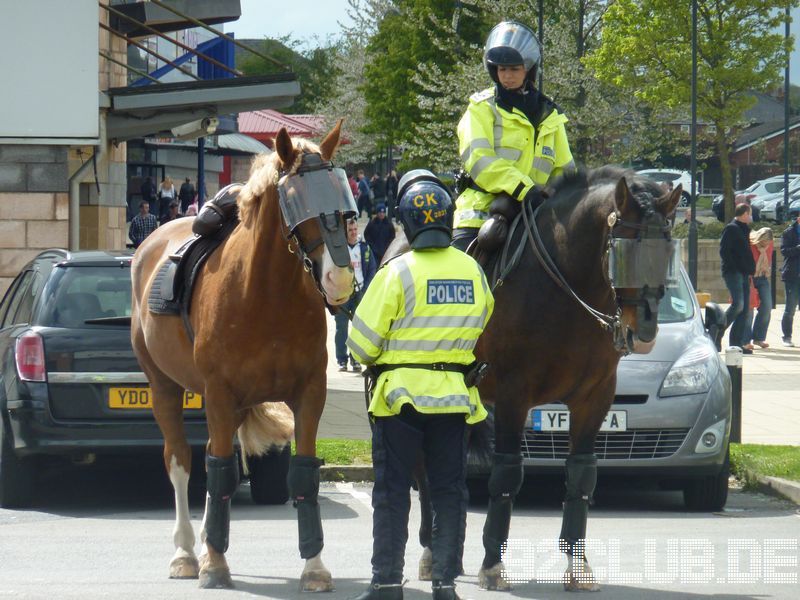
[611, 323]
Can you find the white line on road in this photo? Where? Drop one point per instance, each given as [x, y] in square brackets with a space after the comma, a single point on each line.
[362, 497]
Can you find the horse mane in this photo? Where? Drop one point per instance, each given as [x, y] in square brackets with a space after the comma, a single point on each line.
[265, 172]
[569, 191]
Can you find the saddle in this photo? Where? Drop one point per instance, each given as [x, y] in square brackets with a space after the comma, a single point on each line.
[171, 293]
[496, 235]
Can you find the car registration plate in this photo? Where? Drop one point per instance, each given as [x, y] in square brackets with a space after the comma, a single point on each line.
[558, 420]
[142, 397]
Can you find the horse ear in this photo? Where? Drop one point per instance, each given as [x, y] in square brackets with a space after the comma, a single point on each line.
[622, 196]
[669, 202]
[331, 142]
[284, 148]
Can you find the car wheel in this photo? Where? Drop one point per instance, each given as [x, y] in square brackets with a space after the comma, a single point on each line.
[710, 493]
[268, 476]
[685, 199]
[16, 475]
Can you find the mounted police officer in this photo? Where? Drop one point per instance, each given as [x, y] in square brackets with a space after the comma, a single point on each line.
[417, 327]
[512, 138]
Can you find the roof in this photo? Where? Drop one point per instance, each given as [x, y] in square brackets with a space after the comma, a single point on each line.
[765, 131]
[241, 143]
[269, 122]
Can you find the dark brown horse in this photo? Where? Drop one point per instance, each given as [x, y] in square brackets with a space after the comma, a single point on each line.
[259, 337]
[557, 335]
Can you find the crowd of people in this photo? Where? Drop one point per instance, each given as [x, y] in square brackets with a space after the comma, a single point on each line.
[161, 204]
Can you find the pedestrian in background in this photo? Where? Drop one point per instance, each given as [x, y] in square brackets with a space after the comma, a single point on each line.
[186, 195]
[173, 212]
[737, 267]
[148, 191]
[364, 266]
[378, 187]
[391, 195]
[166, 194]
[790, 274]
[379, 233]
[761, 245]
[363, 201]
[142, 224]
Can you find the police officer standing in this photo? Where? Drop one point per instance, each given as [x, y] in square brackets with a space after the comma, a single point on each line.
[417, 327]
[512, 138]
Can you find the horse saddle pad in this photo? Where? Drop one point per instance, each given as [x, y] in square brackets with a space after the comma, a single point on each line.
[172, 288]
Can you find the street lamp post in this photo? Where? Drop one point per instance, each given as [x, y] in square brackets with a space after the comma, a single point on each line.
[693, 161]
[786, 123]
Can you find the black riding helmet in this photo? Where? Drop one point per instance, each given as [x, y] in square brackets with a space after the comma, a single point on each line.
[512, 43]
[425, 209]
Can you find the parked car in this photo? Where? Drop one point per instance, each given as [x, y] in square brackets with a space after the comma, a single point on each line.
[675, 177]
[794, 209]
[757, 195]
[774, 208]
[670, 420]
[70, 384]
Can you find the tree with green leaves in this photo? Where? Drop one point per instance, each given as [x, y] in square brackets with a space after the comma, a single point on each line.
[646, 52]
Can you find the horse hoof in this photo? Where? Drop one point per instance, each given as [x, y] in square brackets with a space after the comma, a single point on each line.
[316, 581]
[492, 579]
[582, 582]
[216, 579]
[184, 567]
[426, 565]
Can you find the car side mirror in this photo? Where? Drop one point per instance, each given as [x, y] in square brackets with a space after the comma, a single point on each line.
[715, 323]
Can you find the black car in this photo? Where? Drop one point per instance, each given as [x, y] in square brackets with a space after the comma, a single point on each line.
[70, 384]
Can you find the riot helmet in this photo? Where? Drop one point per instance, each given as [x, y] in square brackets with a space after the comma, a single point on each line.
[425, 209]
[512, 43]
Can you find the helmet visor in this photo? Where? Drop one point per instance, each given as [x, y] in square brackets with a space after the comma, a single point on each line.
[516, 37]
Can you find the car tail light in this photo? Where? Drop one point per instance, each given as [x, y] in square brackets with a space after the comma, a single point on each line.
[29, 352]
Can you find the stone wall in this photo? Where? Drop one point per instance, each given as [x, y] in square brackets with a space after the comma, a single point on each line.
[709, 277]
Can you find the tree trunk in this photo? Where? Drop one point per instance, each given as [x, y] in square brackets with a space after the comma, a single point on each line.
[725, 168]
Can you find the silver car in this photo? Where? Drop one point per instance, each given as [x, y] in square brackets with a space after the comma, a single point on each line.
[670, 420]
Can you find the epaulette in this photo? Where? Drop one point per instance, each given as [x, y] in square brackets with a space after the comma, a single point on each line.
[482, 95]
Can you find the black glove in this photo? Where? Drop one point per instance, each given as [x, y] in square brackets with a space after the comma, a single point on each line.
[535, 196]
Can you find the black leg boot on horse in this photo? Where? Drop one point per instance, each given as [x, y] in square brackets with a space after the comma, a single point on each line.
[581, 470]
[505, 482]
[303, 480]
[222, 481]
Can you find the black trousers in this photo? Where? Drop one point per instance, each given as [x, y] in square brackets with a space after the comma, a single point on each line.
[463, 236]
[398, 442]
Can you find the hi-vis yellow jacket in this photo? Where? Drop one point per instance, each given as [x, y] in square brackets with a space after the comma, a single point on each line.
[426, 306]
[503, 152]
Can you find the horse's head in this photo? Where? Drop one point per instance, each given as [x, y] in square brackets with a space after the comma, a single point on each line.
[643, 258]
[316, 202]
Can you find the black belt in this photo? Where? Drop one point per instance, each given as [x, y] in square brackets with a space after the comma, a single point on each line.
[378, 370]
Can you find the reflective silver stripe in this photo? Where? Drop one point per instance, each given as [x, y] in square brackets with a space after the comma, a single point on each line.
[542, 165]
[430, 345]
[89, 377]
[481, 164]
[431, 401]
[474, 145]
[409, 291]
[363, 329]
[449, 321]
[363, 354]
[498, 124]
[464, 215]
[485, 286]
[509, 153]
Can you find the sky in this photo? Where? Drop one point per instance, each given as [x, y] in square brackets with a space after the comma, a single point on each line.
[301, 18]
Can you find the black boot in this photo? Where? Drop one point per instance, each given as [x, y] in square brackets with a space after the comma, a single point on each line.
[444, 591]
[378, 591]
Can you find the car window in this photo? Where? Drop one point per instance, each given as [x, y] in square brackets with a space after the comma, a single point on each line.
[773, 187]
[27, 298]
[79, 293]
[17, 297]
[677, 304]
[8, 297]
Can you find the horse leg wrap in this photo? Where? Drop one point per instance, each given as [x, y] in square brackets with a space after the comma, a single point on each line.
[581, 479]
[505, 482]
[303, 480]
[223, 479]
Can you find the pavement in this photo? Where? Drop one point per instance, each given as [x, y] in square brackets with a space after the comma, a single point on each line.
[770, 393]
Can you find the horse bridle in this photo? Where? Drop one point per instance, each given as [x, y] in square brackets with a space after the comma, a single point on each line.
[611, 323]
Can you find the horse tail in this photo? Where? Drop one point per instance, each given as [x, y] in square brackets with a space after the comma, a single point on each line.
[266, 425]
[480, 448]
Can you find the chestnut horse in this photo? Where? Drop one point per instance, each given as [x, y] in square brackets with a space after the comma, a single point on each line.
[259, 337]
[557, 334]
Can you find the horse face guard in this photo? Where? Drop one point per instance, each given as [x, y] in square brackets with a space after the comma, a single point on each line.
[318, 190]
[648, 263]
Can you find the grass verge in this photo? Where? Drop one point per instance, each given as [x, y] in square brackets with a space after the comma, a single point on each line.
[750, 460]
[344, 452]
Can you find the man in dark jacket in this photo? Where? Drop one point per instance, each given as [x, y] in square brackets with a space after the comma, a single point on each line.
[737, 268]
[186, 195]
[790, 274]
[379, 233]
